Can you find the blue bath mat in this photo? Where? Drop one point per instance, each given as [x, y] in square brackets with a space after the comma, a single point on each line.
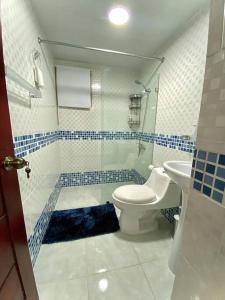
[74, 224]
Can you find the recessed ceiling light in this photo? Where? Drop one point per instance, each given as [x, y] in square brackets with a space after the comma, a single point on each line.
[118, 15]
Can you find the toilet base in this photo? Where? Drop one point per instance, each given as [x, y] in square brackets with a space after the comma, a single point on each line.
[134, 223]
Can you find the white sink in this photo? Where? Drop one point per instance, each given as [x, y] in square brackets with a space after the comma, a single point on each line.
[180, 173]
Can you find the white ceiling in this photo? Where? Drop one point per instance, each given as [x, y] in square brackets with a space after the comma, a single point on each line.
[85, 22]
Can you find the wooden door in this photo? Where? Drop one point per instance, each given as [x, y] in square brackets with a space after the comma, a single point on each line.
[16, 274]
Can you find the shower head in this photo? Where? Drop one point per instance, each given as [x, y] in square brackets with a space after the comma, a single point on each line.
[146, 90]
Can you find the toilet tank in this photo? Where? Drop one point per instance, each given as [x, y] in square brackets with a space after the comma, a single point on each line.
[166, 190]
[158, 181]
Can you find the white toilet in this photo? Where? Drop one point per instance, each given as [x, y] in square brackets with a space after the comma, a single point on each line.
[140, 204]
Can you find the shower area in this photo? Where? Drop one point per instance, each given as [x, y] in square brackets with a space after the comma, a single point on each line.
[109, 145]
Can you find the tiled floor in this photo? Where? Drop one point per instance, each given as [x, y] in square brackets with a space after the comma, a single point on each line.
[108, 267]
[81, 196]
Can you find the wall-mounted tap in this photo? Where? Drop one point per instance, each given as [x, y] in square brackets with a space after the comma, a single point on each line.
[140, 148]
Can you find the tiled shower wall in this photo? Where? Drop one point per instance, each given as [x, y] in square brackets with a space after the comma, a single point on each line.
[201, 268]
[180, 85]
[180, 88]
[31, 119]
[109, 113]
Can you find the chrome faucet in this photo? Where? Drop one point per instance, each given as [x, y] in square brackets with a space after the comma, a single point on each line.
[140, 148]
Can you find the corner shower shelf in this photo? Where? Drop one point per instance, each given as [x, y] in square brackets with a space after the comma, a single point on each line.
[135, 110]
[134, 106]
[134, 122]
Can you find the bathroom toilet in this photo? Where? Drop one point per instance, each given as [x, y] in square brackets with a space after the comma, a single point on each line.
[140, 204]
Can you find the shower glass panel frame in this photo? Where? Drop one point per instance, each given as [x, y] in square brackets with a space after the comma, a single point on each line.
[151, 102]
[120, 153]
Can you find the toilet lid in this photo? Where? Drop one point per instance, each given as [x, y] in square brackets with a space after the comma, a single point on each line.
[137, 194]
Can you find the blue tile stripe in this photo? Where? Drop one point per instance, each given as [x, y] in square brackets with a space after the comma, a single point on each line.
[100, 177]
[171, 141]
[97, 135]
[137, 177]
[27, 144]
[169, 213]
[208, 173]
[95, 177]
[35, 240]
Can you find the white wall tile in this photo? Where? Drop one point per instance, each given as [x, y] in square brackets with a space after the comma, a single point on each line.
[162, 154]
[20, 38]
[202, 271]
[216, 26]
[80, 156]
[181, 80]
[180, 84]
[109, 112]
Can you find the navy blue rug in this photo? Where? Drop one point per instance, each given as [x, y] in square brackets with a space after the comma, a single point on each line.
[74, 224]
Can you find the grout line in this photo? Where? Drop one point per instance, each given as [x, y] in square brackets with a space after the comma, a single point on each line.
[141, 263]
[148, 281]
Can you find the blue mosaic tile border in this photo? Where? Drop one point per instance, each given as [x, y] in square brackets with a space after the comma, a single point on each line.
[137, 177]
[208, 173]
[169, 213]
[170, 141]
[97, 135]
[99, 177]
[95, 177]
[27, 144]
[35, 240]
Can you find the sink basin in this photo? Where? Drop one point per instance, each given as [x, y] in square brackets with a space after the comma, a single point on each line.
[179, 172]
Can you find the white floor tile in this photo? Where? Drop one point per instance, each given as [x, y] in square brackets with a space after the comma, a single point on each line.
[152, 247]
[108, 252]
[114, 266]
[160, 278]
[88, 195]
[73, 204]
[64, 290]
[125, 284]
[77, 197]
[61, 261]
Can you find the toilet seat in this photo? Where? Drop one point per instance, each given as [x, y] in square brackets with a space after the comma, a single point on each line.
[135, 194]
